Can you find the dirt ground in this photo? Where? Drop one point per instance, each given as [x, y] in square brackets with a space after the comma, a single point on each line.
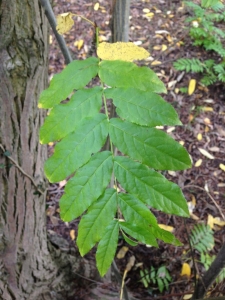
[159, 27]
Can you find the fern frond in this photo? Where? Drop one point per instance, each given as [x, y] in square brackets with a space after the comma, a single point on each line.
[187, 65]
[202, 238]
[217, 47]
[209, 79]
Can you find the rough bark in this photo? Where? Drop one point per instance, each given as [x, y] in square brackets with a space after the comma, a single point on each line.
[30, 266]
[120, 20]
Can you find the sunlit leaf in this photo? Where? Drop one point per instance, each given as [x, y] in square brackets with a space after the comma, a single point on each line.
[186, 270]
[64, 22]
[206, 153]
[121, 51]
[191, 86]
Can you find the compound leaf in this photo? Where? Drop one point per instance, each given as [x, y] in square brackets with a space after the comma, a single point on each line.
[150, 146]
[107, 247]
[142, 107]
[76, 148]
[64, 118]
[140, 233]
[150, 187]
[165, 236]
[124, 74]
[86, 186]
[75, 76]
[98, 217]
[135, 210]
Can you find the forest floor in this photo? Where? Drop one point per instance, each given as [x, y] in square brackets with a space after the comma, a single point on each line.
[163, 34]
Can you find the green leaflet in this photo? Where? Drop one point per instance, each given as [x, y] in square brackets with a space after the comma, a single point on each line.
[86, 186]
[135, 210]
[141, 233]
[98, 217]
[150, 187]
[75, 76]
[107, 247]
[64, 118]
[150, 146]
[76, 148]
[142, 107]
[120, 73]
[165, 236]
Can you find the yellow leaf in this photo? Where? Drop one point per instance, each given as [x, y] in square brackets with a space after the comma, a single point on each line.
[210, 221]
[207, 108]
[222, 167]
[72, 234]
[198, 163]
[96, 6]
[64, 22]
[166, 227]
[150, 14]
[80, 44]
[50, 39]
[187, 297]
[186, 270]
[156, 62]
[146, 10]
[205, 153]
[121, 51]
[51, 144]
[219, 222]
[199, 137]
[122, 252]
[191, 87]
[157, 47]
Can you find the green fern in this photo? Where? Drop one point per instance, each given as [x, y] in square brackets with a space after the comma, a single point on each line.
[161, 277]
[202, 238]
[189, 65]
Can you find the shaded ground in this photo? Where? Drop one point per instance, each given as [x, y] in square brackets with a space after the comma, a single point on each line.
[203, 116]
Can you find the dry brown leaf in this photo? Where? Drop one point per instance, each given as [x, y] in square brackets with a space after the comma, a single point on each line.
[130, 263]
[207, 121]
[122, 252]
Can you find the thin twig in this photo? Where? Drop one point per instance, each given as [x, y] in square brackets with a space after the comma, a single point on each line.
[52, 21]
[213, 200]
[21, 170]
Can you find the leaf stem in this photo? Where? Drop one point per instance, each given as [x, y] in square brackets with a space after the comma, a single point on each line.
[82, 17]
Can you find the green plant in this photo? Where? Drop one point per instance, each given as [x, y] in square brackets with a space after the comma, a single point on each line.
[81, 132]
[202, 239]
[205, 32]
[161, 277]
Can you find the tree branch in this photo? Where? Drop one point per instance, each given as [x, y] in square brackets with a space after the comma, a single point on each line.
[52, 21]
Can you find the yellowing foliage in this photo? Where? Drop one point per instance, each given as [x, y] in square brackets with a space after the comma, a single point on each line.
[191, 87]
[121, 51]
[64, 22]
[186, 270]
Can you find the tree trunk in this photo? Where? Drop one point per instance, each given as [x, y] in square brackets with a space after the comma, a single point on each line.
[30, 267]
[120, 20]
